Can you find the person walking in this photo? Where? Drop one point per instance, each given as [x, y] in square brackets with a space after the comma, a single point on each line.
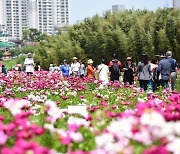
[128, 70]
[82, 69]
[154, 81]
[65, 69]
[75, 67]
[144, 72]
[51, 68]
[103, 72]
[29, 64]
[173, 75]
[56, 69]
[164, 68]
[90, 69]
[114, 67]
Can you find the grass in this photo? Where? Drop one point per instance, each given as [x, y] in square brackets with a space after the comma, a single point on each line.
[10, 63]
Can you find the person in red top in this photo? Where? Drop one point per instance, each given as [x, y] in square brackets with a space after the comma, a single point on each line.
[114, 68]
[90, 70]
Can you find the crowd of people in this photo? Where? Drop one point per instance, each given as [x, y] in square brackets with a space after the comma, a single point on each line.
[152, 73]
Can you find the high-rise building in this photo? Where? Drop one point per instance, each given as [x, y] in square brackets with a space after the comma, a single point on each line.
[176, 4]
[44, 15]
[52, 14]
[15, 16]
[116, 8]
[2, 11]
[32, 14]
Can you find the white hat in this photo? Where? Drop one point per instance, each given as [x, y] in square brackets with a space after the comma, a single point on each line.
[74, 58]
[128, 58]
[29, 54]
[90, 61]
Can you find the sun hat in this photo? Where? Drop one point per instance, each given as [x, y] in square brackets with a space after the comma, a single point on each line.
[74, 58]
[128, 58]
[90, 61]
[29, 54]
[162, 56]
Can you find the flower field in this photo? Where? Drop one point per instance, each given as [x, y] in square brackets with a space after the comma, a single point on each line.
[45, 114]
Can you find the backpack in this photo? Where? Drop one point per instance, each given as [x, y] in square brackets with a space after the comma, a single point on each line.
[115, 67]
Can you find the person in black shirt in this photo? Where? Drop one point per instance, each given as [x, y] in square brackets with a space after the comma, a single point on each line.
[128, 70]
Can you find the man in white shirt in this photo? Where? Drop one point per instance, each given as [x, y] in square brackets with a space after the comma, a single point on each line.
[75, 66]
[29, 64]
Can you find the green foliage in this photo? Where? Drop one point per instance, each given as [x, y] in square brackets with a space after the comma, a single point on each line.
[88, 142]
[12, 63]
[7, 114]
[33, 35]
[127, 33]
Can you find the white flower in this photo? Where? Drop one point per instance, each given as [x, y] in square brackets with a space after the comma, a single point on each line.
[77, 121]
[15, 106]
[50, 104]
[153, 119]
[50, 127]
[76, 136]
[143, 136]
[166, 129]
[141, 100]
[174, 146]
[177, 128]
[122, 127]
[104, 140]
[54, 112]
[84, 100]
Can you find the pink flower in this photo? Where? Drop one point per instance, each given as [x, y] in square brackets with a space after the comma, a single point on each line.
[65, 97]
[78, 152]
[126, 103]
[156, 150]
[73, 127]
[3, 137]
[103, 104]
[2, 117]
[110, 114]
[65, 140]
[175, 98]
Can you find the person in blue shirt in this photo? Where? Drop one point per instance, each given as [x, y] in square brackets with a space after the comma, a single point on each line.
[164, 69]
[173, 75]
[65, 69]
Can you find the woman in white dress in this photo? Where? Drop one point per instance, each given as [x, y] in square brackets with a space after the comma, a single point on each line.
[29, 64]
[103, 71]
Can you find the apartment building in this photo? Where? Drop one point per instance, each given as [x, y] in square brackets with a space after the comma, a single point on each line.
[44, 15]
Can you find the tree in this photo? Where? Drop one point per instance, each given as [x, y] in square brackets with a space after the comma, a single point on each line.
[33, 35]
[125, 33]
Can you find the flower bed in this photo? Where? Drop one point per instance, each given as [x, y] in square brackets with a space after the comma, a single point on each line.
[35, 117]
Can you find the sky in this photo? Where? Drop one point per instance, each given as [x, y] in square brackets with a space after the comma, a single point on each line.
[80, 9]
